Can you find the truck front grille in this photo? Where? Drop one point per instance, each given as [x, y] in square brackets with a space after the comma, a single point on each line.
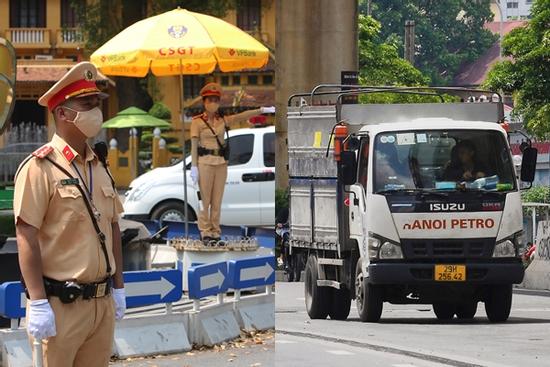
[437, 248]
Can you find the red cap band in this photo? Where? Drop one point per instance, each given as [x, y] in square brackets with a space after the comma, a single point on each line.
[211, 92]
[72, 90]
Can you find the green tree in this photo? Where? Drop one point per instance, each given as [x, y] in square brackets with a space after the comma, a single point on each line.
[448, 32]
[380, 64]
[527, 75]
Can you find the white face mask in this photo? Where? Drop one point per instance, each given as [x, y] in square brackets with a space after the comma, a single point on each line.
[211, 107]
[88, 122]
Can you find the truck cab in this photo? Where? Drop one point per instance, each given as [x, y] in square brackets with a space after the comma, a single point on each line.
[427, 209]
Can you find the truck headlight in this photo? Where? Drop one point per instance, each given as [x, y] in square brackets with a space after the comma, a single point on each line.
[382, 248]
[390, 250]
[506, 248]
[374, 246]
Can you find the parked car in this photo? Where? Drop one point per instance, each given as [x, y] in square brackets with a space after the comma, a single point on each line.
[249, 197]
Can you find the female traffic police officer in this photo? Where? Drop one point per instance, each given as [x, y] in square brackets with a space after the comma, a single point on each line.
[209, 166]
[66, 213]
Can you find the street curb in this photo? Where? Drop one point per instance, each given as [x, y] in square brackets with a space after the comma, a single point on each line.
[532, 292]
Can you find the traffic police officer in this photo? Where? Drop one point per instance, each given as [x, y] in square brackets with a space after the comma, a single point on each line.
[209, 161]
[66, 212]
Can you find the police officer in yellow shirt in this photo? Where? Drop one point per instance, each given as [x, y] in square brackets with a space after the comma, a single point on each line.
[209, 157]
[66, 211]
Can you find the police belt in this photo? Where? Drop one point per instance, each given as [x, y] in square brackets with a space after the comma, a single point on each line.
[217, 152]
[68, 292]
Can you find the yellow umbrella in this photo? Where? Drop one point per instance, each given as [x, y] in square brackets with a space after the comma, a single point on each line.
[179, 42]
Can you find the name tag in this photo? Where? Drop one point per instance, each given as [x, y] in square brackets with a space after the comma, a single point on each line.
[69, 181]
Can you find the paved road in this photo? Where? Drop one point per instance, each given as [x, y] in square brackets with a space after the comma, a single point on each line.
[410, 335]
[257, 352]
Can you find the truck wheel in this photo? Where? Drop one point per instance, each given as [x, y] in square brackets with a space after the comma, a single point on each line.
[368, 298]
[444, 311]
[317, 298]
[172, 211]
[499, 303]
[466, 310]
[340, 305]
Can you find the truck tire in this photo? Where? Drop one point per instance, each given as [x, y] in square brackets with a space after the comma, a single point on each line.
[172, 211]
[317, 298]
[466, 310]
[444, 311]
[499, 303]
[368, 297]
[340, 305]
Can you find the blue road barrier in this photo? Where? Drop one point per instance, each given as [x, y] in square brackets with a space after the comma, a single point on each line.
[253, 272]
[207, 280]
[12, 300]
[142, 288]
[149, 287]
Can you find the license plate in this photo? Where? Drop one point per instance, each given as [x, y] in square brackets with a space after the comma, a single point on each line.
[450, 273]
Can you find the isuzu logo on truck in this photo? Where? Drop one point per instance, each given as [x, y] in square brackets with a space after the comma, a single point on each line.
[447, 207]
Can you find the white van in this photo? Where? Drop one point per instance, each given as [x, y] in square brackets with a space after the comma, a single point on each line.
[249, 197]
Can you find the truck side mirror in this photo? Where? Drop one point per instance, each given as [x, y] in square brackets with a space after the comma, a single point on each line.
[528, 164]
[349, 167]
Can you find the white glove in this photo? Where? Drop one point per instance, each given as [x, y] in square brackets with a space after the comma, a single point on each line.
[270, 109]
[41, 319]
[195, 174]
[119, 296]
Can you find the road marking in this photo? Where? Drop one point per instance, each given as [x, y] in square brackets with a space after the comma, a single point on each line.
[403, 365]
[340, 352]
[301, 299]
[278, 341]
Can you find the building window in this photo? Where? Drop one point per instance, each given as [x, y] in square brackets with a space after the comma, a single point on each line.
[69, 12]
[268, 79]
[253, 80]
[28, 13]
[225, 80]
[249, 15]
[192, 86]
[512, 5]
[236, 80]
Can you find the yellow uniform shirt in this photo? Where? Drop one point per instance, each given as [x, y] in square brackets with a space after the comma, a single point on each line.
[207, 140]
[69, 245]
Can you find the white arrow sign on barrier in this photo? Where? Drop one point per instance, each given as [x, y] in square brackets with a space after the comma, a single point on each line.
[259, 272]
[152, 287]
[214, 280]
[23, 300]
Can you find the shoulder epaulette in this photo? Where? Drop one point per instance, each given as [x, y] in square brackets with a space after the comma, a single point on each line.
[42, 152]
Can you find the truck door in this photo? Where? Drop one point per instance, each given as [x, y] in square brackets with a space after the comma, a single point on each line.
[358, 207]
[242, 191]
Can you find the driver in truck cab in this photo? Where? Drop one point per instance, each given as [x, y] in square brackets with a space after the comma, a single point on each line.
[464, 164]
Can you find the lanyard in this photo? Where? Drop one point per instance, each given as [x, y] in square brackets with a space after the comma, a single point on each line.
[90, 186]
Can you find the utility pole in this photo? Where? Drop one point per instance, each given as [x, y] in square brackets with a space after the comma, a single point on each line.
[409, 41]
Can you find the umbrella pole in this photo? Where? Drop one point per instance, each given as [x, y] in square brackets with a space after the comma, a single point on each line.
[182, 118]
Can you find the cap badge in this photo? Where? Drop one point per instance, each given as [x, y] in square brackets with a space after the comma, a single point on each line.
[88, 75]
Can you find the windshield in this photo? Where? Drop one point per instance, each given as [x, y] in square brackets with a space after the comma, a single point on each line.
[442, 160]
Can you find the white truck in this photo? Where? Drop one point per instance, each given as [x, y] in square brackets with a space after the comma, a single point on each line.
[249, 197]
[416, 203]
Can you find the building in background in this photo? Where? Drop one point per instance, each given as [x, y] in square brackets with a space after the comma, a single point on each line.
[511, 9]
[47, 42]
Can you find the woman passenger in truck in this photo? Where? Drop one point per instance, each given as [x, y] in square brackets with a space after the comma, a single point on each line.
[464, 164]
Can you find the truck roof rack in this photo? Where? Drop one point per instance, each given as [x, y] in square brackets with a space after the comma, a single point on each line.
[488, 110]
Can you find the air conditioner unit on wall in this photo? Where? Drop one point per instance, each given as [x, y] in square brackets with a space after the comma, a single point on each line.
[43, 57]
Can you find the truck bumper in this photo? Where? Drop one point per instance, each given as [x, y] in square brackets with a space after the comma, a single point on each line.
[418, 273]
